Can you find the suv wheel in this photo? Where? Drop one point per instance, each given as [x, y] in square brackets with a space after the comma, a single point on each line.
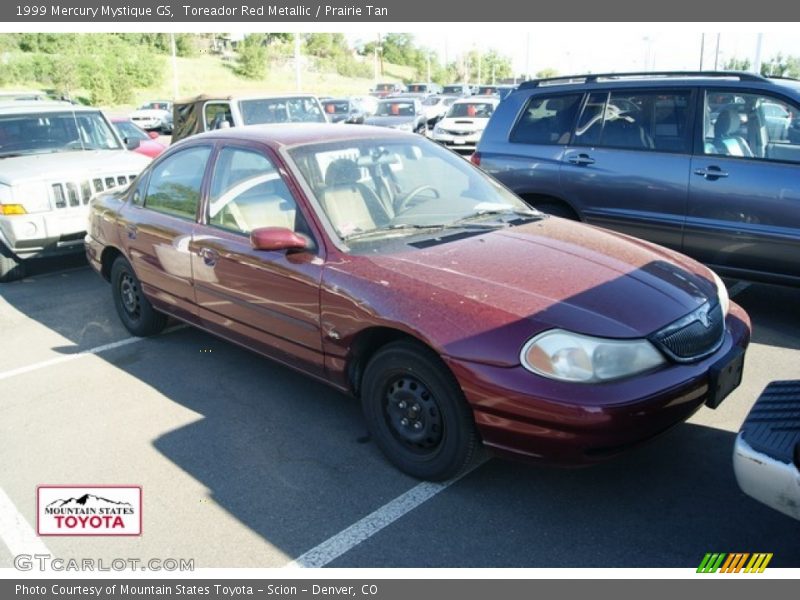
[557, 210]
[11, 267]
[133, 308]
[417, 413]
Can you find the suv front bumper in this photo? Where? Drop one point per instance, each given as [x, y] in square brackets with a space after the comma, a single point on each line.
[41, 234]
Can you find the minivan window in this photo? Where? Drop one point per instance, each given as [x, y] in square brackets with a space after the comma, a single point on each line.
[654, 120]
[752, 125]
[547, 120]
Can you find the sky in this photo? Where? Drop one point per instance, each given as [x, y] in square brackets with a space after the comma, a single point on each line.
[578, 48]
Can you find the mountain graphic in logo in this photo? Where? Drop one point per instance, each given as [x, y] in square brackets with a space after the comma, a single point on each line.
[86, 501]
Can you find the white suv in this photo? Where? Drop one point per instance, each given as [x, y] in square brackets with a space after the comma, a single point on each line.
[54, 157]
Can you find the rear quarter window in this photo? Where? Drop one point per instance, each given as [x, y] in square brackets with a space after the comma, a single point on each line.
[547, 120]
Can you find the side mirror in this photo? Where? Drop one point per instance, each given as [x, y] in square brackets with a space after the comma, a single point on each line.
[153, 135]
[132, 144]
[277, 238]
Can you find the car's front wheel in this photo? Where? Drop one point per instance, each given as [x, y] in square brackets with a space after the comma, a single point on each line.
[417, 413]
[133, 308]
[11, 267]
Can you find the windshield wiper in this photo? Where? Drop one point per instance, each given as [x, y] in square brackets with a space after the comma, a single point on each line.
[528, 214]
[413, 227]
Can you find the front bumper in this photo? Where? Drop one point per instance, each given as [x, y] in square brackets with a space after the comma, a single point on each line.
[766, 454]
[523, 415]
[43, 234]
[149, 124]
[458, 142]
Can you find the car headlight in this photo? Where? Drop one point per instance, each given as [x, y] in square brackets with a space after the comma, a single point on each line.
[567, 356]
[722, 294]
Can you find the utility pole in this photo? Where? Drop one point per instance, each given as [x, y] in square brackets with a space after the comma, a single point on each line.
[716, 54]
[528, 57]
[757, 59]
[297, 70]
[702, 48]
[174, 51]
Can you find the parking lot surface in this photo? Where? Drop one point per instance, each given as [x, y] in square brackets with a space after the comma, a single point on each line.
[245, 463]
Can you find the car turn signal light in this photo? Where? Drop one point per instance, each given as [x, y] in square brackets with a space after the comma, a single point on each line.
[12, 209]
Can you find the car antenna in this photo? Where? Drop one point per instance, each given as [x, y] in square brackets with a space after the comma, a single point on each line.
[75, 120]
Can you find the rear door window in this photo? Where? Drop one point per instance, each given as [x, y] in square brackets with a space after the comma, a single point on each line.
[547, 120]
[657, 120]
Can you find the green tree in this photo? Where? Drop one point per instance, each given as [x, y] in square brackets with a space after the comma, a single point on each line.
[546, 73]
[252, 57]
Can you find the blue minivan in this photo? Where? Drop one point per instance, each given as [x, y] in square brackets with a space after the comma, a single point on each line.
[707, 163]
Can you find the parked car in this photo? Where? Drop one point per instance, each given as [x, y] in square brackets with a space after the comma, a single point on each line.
[205, 113]
[153, 116]
[457, 89]
[424, 88]
[23, 95]
[382, 90]
[54, 156]
[650, 155]
[766, 456]
[435, 107]
[400, 113]
[486, 90]
[148, 142]
[390, 268]
[463, 125]
[345, 110]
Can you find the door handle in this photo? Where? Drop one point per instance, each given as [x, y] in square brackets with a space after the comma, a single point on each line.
[580, 159]
[131, 231]
[711, 173]
[209, 256]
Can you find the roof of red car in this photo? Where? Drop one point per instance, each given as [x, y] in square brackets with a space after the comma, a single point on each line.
[292, 134]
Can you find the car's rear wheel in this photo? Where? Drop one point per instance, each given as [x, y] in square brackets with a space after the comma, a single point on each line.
[557, 210]
[11, 267]
[417, 413]
[133, 307]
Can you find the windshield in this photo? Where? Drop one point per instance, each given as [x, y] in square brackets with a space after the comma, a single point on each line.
[431, 101]
[130, 131]
[418, 88]
[281, 110]
[155, 106]
[395, 109]
[380, 188]
[487, 90]
[453, 89]
[385, 87]
[55, 132]
[333, 107]
[472, 110]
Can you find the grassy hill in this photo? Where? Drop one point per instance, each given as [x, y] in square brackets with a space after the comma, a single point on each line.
[211, 74]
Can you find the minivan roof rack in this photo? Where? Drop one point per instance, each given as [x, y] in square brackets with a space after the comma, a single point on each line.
[594, 77]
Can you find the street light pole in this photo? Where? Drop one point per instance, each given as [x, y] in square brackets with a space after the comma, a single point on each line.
[174, 51]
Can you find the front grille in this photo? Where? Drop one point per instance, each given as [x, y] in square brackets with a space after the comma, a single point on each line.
[71, 194]
[693, 337]
[454, 132]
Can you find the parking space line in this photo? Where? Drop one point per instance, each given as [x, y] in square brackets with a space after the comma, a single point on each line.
[364, 529]
[738, 288]
[68, 357]
[15, 532]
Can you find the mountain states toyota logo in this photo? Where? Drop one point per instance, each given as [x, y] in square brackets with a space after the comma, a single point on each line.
[88, 510]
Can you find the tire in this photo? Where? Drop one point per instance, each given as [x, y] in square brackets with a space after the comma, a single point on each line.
[133, 308]
[557, 210]
[416, 412]
[11, 267]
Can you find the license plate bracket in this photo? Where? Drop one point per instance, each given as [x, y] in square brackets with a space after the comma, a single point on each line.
[724, 376]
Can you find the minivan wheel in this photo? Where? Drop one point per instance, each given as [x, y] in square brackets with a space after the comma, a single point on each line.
[417, 413]
[11, 267]
[133, 308]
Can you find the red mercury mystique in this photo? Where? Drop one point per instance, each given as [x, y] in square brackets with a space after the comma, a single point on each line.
[394, 270]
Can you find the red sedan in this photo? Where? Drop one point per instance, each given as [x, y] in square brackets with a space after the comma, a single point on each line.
[394, 270]
[148, 142]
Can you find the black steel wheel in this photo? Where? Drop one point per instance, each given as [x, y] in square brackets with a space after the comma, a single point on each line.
[417, 413]
[133, 307]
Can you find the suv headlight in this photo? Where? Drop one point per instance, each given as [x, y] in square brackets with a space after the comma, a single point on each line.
[567, 356]
[722, 294]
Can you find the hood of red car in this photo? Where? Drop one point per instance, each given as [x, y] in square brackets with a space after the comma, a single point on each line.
[509, 284]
